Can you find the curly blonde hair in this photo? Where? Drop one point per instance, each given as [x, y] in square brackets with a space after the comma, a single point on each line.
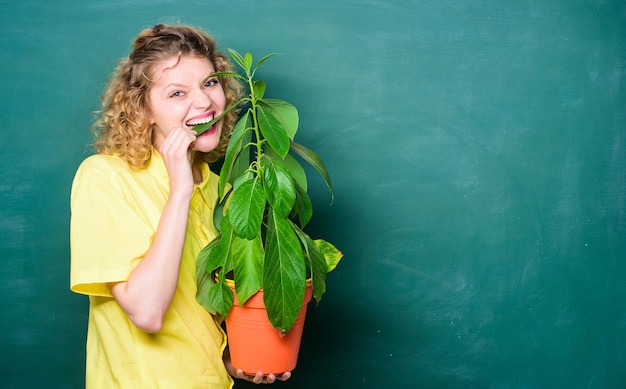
[123, 126]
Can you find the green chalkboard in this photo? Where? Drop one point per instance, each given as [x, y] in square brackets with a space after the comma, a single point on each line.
[478, 153]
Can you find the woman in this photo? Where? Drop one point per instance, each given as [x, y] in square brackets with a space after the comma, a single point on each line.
[142, 210]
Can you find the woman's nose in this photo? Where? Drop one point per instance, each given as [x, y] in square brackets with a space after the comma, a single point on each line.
[201, 99]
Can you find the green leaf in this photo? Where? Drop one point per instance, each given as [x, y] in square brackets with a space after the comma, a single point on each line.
[228, 74]
[204, 254]
[218, 255]
[218, 211]
[233, 151]
[332, 255]
[219, 252]
[273, 130]
[246, 208]
[285, 113]
[236, 57]
[318, 270]
[316, 263]
[221, 297]
[303, 206]
[259, 88]
[314, 160]
[247, 62]
[241, 170]
[279, 187]
[205, 278]
[295, 168]
[202, 128]
[248, 258]
[284, 273]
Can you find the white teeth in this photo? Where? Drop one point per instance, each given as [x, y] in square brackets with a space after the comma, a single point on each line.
[195, 122]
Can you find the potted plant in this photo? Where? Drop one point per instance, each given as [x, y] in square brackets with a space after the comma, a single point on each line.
[262, 251]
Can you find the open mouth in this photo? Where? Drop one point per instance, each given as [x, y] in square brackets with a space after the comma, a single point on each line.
[195, 122]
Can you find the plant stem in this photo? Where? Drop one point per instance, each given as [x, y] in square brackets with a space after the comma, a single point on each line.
[255, 126]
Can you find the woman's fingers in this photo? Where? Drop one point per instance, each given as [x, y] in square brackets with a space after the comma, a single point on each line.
[176, 153]
[260, 378]
[178, 142]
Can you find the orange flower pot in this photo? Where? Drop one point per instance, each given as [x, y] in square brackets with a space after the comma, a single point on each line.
[255, 345]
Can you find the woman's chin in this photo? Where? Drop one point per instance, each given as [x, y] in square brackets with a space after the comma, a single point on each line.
[206, 143]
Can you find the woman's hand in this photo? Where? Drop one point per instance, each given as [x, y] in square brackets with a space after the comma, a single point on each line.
[259, 378]
[176, 153]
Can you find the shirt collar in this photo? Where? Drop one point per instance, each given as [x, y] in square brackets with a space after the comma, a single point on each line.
[157, 166]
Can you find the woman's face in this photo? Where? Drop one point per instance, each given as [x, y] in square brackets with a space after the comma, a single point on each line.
[182, 96]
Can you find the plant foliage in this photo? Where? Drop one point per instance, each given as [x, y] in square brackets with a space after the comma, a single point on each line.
[263, 188]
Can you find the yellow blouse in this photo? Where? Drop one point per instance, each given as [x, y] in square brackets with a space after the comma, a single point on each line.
[115, 213]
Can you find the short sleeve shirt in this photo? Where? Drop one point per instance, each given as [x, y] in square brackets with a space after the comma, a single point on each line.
[115, 213]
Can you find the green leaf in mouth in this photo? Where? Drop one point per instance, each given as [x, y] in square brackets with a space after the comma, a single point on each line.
[202, 128]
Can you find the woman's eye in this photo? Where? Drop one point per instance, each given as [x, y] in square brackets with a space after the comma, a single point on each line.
[176, 94]
[211, 82]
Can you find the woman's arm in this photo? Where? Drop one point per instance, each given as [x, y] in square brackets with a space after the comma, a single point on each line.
[148, 292]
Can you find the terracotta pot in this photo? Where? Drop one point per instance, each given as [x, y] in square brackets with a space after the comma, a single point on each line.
[255, 345]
